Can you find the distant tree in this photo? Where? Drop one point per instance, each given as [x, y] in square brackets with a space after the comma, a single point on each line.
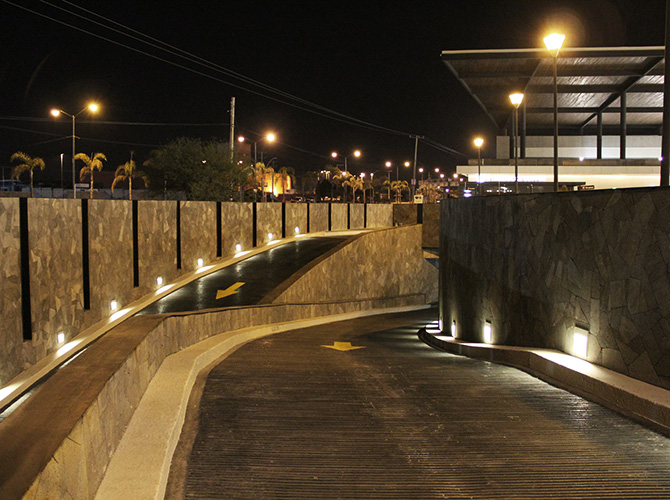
[126, 172]
[90, 166]
[355, 183]
[203, 170]
[398, 187]
[308, 182]
[25, 163]
[368, 185]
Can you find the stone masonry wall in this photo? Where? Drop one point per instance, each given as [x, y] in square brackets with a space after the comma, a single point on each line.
[110, 257]
[198, 233]
[535, 266]
[357, 216]
[56, 264]
[338, 216]
[56, 272]
[385, 263]
[12, 353]
[318, 217]
[380, 215]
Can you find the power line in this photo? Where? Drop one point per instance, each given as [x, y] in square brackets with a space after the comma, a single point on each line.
[161, 46]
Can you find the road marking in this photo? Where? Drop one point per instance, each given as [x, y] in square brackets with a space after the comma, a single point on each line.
[343, 346]
[231, 290]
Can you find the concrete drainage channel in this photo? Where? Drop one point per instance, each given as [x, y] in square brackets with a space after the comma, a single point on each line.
[646, 403]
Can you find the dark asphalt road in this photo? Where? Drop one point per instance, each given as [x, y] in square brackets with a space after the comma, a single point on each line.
[260, 274]
[285, 418]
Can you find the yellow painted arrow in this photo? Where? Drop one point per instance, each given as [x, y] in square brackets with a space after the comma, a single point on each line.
[343, 346]
[231, 290]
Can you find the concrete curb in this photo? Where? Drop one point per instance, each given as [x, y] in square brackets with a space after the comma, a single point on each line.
[140, 466]
[639, 400]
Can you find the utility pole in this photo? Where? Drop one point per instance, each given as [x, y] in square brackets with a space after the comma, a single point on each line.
[232, 129]
[416, 151]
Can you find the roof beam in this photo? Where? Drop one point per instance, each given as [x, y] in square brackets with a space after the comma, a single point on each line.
[630, 83]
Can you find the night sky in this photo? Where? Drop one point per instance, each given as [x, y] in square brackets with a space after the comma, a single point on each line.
[377, 62]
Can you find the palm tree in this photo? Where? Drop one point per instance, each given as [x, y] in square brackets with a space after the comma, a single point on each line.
[284, 174]
[368, 185]
[127, 171]
[90, 166]
[399, 187]
[26, 163]
[387, 184]
[355, 183]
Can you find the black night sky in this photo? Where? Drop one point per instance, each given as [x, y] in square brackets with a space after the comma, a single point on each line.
[377, 62]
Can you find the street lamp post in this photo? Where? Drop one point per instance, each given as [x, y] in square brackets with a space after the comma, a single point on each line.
[55, 112]
[357, 154]
[479, 142]
[268, 137]
[62, 189]
[516, 99]
[554, 42]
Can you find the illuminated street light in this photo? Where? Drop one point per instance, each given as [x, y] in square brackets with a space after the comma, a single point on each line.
[479, 142]
[554, 42]
[270, 137]
[92, 107]
[357, 154]
[517, 99]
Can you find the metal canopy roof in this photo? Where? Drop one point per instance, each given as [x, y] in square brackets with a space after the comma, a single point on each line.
[590, 81]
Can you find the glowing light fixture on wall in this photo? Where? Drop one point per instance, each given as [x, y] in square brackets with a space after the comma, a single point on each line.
[488, 333]
[453, 329]
[200, 262]
[238, 248]
[159, 281]
[580, 342]
[60, 337]
[297, 230]
[113, 305]
[270, 236]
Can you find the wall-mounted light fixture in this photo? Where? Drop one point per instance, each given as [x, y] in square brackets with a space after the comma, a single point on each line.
[200, 262]
[60, 337]
[488, 333]
[238, 248]
[113, 305]
[453, 329]
[159, 281]
[580, 342]
[297, 230]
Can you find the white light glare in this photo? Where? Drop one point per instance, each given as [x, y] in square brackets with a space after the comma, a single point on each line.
[238, 248]
[60, 337]
[270, 236]
[440, 324]
[118, 314]
[164, 289]
[453, 329]
[113, 305]
[200, 262]
[488, 338]
[240, 254]
[297, 230]
[580, 342]
[159, 280]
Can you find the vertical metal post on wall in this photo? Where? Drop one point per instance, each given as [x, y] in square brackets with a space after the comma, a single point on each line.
[665, 146]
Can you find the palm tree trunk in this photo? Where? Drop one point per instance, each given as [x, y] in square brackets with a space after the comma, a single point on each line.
[31, 183]
[130, 188]
[91, 192]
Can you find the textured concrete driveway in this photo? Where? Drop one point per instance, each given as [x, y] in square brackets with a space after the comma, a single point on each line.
[300, 415]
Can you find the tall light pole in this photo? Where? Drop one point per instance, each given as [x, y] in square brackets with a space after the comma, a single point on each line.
[554, 42]
[479, 142]
[55, 112]
[517, 99]
[270, 137]
[357, 154]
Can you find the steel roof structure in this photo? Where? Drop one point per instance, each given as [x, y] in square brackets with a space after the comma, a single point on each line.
[598, 88]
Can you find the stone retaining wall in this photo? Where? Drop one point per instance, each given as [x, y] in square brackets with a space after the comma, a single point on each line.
[56, 262]
[536, 266]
